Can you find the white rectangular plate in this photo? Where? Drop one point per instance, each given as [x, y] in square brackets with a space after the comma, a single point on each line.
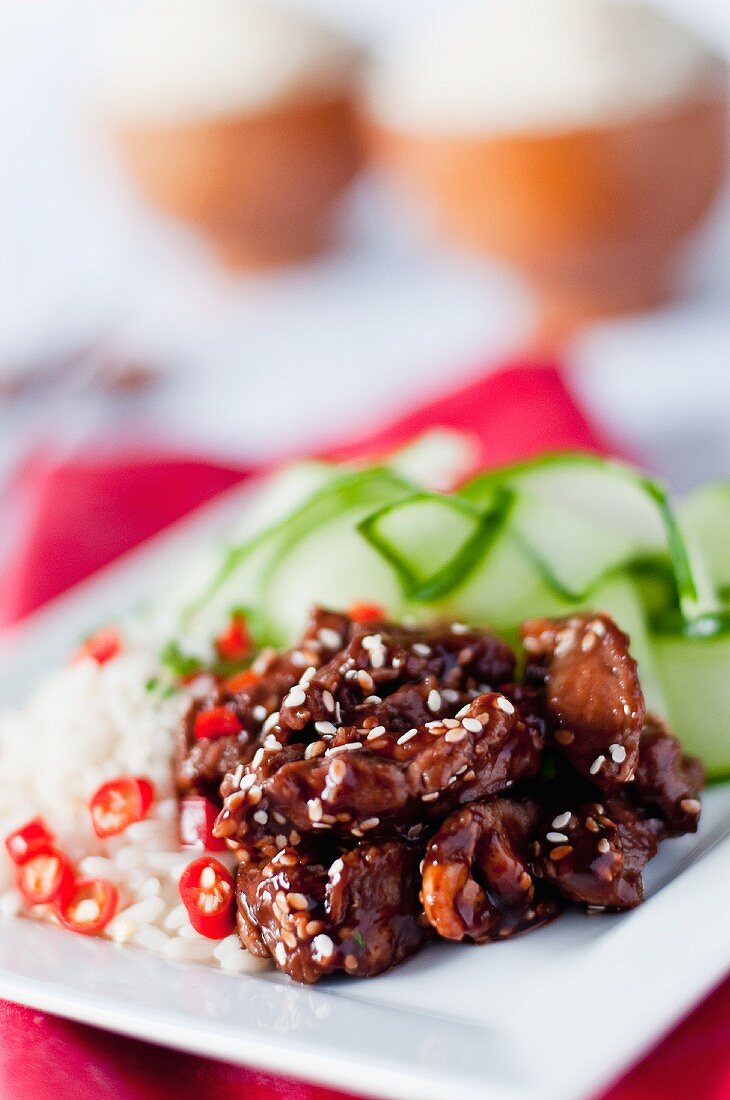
[551, 1016]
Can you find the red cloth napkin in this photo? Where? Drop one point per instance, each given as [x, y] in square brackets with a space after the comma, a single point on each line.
[81, 513]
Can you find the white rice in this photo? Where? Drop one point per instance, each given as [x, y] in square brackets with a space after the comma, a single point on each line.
[84, 724]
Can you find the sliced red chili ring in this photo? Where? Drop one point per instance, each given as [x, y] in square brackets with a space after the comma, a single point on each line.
[29, 840]
[89, 907]
[363, 612]
[101, 646]
[242, 681]
[235, 642]
[119, 803]
[196, 821]
[45, 877]
[216, 722]
[208, 893]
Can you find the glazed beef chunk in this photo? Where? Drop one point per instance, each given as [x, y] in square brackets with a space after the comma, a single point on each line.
[394, 783]
[202, 763]
[596, 852]
[668, 782]
[478, 880]
[358, 913]
[593, 694]
[384, 783]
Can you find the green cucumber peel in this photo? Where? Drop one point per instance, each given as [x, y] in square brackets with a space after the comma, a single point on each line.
[482, 526]
[695, 596]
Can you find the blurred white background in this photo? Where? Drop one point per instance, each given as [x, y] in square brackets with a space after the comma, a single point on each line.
[271, 363]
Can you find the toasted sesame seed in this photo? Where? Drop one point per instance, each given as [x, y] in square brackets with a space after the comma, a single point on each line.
[329, 638]
[531, 644]
[464, 710]
[449, 723]
[430, 797]
[421, 649]
[562, 820]
[597, 764]
[618, 753]
[603, 845]
[296, 697]
[592, 825]
[690, 805]
[321, 825]
[313, 927]
[564, 737]
[314, 809]
[297, 901]
[255, 794]
[556, 838]
[270, 722]
[261, 817]
[434, 701]
[323, 946]
[351, 746]
[404, 737]
[365, 681]
[376, 731]
[589, 642]
[374, 699]
[280, 954]
[502, 703]
[564, 642]
[328, 701]
[525, 881]
[370, 823]
[378, 657]
[316, 748]
[457, 735]
[561, 852]
[247, 780]
[325, 728]
[472, 724]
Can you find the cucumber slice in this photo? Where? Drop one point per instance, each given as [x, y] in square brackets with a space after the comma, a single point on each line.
[583, 516]
[705, 516]
[437, 459]
[695, 676]
[328, 561]
[245, 572]
[431, 541]
[619, 595]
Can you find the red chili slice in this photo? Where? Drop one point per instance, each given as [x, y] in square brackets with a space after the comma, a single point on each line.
[101, 646]
[119, 803]
[29, 840]
[208, 893]
[242, 681]
[197, 818]
[216, 722]
[366, 612]
[89, 907]
[235, 641]
[45, 877]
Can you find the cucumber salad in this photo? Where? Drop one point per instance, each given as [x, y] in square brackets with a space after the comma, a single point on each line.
[552, 536]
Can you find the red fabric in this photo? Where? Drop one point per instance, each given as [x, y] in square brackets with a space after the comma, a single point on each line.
[78, 515]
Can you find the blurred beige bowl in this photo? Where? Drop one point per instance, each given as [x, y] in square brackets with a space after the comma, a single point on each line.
[590, 217]
[261, 186]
